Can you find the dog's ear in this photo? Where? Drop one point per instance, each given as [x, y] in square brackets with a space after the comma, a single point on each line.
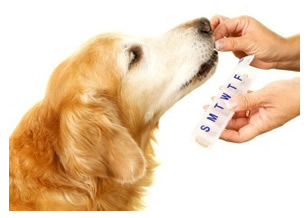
[93, 142]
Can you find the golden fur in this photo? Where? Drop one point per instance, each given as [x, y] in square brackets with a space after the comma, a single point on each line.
[63, 149]
[87, 145]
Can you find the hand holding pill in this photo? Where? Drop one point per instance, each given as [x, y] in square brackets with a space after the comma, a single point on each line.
[246, 36]
[270, 107]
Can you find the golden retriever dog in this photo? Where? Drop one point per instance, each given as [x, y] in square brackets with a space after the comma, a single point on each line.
[87, 144]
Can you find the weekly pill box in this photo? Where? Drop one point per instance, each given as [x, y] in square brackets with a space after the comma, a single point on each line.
[216, 118]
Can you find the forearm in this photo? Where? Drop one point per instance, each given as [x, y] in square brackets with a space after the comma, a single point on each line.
[295, 95]
[290, 54]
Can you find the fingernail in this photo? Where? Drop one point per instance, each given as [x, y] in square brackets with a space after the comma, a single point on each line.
[219, 44]
[205, 107]
[231, 104]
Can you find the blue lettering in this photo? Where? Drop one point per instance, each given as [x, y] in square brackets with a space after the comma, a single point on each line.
[236, 76]
[205, 128]
[212, 117]
[216, 105]
[225, 96]
[230, 86]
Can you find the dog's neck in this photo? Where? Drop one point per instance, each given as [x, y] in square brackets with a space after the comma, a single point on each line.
[144, 133]
[140, 126]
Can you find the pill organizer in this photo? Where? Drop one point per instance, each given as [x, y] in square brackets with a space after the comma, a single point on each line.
[217, 116]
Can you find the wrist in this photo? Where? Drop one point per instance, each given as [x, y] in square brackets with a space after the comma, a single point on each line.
[289, 54]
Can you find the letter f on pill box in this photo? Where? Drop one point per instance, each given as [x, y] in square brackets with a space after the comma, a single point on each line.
[216, 118]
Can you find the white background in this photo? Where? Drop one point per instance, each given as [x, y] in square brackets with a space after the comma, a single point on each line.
[265, 177]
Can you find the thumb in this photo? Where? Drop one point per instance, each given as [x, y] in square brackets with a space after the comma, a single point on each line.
[231, 44]
[248, 101]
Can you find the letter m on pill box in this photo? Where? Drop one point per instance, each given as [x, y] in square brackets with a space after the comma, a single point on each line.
[226, 95]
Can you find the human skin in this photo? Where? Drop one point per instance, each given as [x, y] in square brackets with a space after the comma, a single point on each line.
[270, 107]
[276, 103]
[246, 36]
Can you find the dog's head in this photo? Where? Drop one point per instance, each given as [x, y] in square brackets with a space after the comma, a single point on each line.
[160, 71]
[115, 86]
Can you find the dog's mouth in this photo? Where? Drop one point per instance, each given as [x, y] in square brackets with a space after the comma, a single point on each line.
[204, 70]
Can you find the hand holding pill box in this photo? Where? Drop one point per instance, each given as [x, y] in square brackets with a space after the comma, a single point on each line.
[218, 114]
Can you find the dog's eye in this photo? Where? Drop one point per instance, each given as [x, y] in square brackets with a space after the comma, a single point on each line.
[135, 55]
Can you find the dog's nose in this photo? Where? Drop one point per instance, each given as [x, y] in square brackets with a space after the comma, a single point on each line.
[204, 26]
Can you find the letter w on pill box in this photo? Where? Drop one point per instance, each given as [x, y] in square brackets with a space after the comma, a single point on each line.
[216, 118]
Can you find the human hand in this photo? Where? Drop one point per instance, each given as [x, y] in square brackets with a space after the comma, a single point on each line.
[270, 107]
[246, 36]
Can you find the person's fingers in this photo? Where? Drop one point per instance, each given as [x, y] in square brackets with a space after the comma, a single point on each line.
[244, 134]
[263, 65]
[229, 27]
[236, 124]
[230, 135]
[247, 133]
[242, 114]
[239, 114]
[216, 20]
[232, 44]
[245, 102]
[239, 54]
